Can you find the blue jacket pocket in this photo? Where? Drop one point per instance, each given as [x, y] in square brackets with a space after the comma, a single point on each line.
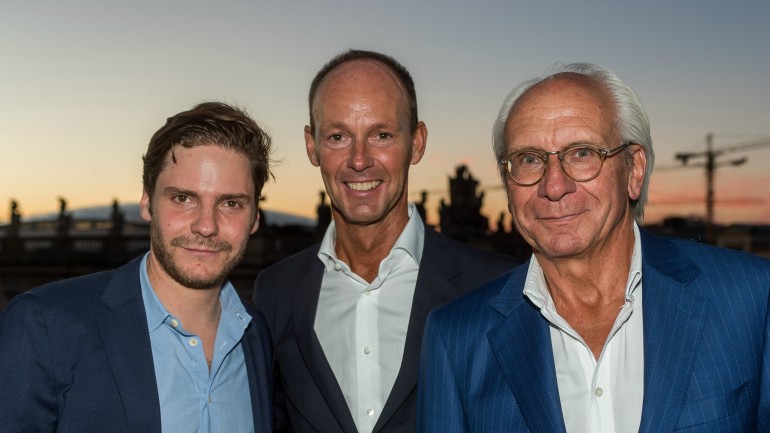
[715, 408]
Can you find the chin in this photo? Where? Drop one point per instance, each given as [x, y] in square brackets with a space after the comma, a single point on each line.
[363, 216]
[202, 279]
[560, 246]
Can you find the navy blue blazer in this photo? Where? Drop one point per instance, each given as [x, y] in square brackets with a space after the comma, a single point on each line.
[308, 397]
[487, 362]
[75, 356]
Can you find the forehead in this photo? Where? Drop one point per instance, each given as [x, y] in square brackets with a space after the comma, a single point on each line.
[207, 167]
[562, 105]
[359, 79]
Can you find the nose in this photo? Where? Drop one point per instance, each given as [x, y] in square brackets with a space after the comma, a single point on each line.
[205, 223]
[555, 183]
[360, 156]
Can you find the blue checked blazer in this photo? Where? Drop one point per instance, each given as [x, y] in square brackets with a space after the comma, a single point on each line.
[75, 356]
[487, 363]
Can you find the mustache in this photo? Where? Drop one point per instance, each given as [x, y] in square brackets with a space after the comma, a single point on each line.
[206, 243]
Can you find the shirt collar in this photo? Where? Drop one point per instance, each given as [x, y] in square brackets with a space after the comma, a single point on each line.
[536, 289]
[153, 308]
[635, 273]
[410, 241]
[157, 313]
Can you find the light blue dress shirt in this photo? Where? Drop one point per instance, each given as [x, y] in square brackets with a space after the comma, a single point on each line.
[192, 397]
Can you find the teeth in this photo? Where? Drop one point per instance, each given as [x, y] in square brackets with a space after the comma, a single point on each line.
[363, 186]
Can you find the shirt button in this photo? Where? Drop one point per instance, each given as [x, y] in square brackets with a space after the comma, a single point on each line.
[367, 350]
[598, 392]
[368, 292]
[337, 267]
[174, 323]
[193, 342]
[369, 412]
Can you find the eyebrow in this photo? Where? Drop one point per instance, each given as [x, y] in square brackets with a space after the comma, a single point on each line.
[226, 197]
[570, 144]
[332, 125]
[342, 126]
[171, 191]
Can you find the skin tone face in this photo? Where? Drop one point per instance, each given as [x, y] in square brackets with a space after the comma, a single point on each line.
[559, 217]
[201, 214]
[363, 145]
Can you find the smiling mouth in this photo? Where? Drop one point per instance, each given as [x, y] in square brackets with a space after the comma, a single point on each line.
[363, 186]
[559, 217]
[198, 250]
[201, 246]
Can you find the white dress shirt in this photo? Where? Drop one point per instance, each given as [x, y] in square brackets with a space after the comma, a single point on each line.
[604, 395]
[362, 327]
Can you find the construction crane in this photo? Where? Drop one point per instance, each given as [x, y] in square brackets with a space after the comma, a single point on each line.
[711, 164]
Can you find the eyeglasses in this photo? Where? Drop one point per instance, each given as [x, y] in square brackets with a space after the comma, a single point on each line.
[581, 162]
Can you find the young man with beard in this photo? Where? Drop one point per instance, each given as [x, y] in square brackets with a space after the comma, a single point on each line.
[346, 316]
[162, 343]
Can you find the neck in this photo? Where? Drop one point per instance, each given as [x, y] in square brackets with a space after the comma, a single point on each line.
[588, 291]
[363, 247]
[595, 277]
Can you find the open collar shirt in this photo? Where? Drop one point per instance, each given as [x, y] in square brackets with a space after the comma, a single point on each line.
[362, 326]
[598, 395]
[194, 398]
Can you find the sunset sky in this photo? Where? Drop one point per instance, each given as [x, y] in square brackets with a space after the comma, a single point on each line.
[84, 84]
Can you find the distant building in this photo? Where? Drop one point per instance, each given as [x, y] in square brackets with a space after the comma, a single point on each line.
[461, 218]
[750, 238]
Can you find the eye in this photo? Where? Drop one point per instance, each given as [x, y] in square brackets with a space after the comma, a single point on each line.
[181, 198]
[336, 140]
[528, 159]
[383, 136]
[232, 204]
[583, 152]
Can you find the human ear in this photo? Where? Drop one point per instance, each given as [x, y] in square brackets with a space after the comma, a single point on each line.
[310, 146]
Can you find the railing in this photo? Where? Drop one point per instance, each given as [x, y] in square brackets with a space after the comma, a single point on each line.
[38, 255]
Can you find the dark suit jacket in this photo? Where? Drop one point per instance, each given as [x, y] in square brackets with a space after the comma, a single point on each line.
[308, 397]
[75, 356]
[487, 361]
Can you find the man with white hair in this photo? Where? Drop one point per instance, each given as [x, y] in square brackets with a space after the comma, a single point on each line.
[607, 328]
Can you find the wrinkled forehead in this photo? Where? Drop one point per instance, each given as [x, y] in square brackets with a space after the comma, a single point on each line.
[563, 96]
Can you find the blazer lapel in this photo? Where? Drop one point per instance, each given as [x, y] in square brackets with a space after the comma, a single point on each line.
[521, 344]
[673, 320]
[304, 307]
[257, 354]
[251, 374]
[126, 340]
[432, 289]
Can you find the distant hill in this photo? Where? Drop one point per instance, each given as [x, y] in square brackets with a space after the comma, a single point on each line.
[131, 213]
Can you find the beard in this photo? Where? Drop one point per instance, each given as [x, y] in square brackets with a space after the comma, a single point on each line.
[163, 252]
